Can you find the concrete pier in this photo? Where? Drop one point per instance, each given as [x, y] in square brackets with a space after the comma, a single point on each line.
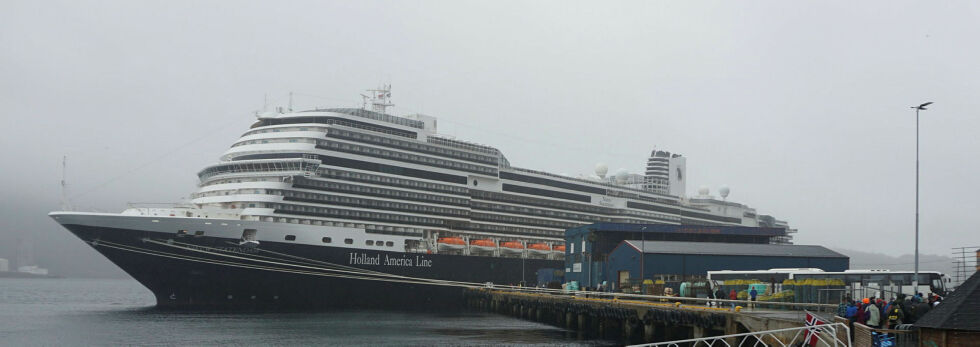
[630, 321]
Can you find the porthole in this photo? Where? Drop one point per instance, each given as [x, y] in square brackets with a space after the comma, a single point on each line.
[327, 240]
[390, 244]
[349, 241]
[369, 242]
[290, 237]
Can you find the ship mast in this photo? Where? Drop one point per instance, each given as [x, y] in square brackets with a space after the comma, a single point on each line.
[65, 206]
[380, 99]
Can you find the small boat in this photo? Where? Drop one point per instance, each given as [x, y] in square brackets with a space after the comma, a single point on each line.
[453, 243]
[512, 247]
[483, 245]
[539, 248]
[558, 248]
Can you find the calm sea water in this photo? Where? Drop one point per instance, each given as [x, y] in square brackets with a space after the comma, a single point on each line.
[120, 312]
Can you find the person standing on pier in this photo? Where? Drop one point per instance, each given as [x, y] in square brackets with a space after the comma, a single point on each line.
[874, 314]
[719, 294]
[752, 294]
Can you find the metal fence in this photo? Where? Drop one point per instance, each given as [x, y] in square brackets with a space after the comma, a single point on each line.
[826, 335]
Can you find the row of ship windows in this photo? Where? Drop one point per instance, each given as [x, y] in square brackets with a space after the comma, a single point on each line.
[463, 145]
[251, 167]
[391, 181]
[327, 239]
[353, 214]
[393, 170]
[241, 180]
[523, 200]
[514, 230]
[374, 204]
[415, 146]
[522, 220]
[563, 206]
[283, 140]
[379, 243]
[276, 130]
[343, 122]
[538, 212]
[405, 157]
[381, 192]
[370, 228]
[630, 195]
[228, 192]
[378, 116]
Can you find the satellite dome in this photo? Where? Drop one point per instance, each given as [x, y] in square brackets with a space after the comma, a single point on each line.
[704, 191]
[621, 176]
[724, 191]
[601, 170]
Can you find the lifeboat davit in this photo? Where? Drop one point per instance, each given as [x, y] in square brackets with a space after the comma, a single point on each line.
[451, 243]
[558, 248]
[512, 247]
[484, 245]
[539, 248]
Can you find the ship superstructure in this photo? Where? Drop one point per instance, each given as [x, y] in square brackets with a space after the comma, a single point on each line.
[387, 175]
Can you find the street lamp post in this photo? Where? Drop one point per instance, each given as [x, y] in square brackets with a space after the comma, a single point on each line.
[643, 239]
[915, 279]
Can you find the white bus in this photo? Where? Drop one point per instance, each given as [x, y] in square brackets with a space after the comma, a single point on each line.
[860, 283]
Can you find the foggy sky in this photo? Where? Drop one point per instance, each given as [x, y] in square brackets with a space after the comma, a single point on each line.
[802, 108]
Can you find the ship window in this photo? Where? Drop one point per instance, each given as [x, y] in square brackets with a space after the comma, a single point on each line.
[199, 233]
[181, 232]
[349, 241]
[290, 237]
[369, 243]
[327, 240]
[390, 244]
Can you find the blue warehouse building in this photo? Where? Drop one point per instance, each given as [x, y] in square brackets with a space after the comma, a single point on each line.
[613, 252]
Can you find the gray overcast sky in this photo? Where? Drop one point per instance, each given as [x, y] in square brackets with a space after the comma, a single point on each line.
[801, 107]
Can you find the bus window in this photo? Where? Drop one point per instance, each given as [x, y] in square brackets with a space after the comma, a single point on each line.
[937, 286]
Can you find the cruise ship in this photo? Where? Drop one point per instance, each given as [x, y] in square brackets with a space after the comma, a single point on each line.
[355, 207]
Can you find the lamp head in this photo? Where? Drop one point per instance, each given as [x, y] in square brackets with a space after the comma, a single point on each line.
[923, 106]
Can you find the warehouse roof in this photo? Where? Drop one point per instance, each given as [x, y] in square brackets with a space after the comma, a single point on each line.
[719, 248]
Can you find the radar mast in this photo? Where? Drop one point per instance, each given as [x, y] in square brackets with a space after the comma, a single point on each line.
[380, 99]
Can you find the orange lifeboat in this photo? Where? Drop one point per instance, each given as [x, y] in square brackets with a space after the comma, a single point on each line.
[511, 247]
[451, 243]
[512, 244]
[484, 245]
[539, 248]
[558, 248]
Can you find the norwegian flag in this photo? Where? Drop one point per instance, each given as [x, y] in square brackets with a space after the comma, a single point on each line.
[812, 330]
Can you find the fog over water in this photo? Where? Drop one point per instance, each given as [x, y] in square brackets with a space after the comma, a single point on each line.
[802, 108]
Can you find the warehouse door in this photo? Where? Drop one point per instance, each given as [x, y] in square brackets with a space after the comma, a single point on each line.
[624, 279]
